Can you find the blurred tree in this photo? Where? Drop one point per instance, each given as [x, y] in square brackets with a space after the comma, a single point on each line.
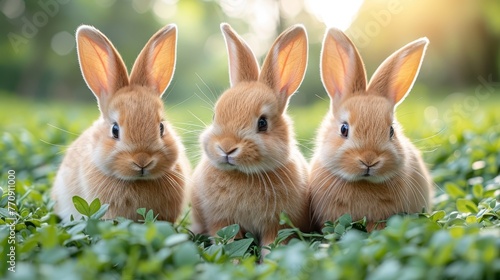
[463, 44]
[38, 57]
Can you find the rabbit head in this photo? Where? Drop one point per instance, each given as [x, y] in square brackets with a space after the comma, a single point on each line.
[134, 141]
[251, 131]
[362, 141]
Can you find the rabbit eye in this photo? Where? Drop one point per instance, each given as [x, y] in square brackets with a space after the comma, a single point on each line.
[115, 130]
[344, 130]
[162, 129]
[262, 124]
[391, 133]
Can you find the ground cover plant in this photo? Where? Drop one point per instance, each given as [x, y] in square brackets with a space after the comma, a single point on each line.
[459, 239]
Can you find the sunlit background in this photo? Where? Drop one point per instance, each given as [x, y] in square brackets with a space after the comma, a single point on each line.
[38, 59]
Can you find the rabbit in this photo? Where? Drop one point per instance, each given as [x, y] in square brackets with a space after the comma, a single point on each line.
[130, 157]
[251, 168]
[363, 164]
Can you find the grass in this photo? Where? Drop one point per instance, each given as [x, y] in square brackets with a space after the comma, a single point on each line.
[459, 239]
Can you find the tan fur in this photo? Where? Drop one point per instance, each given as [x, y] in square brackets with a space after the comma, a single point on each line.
[267, 174]
[399, 181]
[97, 165]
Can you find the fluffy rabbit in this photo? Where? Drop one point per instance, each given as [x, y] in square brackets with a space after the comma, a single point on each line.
[363, 165]
[130, 157]
[251, 169]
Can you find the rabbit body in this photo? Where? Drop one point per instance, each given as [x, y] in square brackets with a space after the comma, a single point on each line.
[363, 165]
[254, 201]
[130, 157]
[252, 169]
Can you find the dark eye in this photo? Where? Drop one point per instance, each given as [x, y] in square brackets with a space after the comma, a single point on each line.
[162, 129]
[115, 130]
[391, 133]
[344, 130]
[262, 124]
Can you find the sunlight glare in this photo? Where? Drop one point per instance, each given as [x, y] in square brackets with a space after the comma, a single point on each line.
[338, 14]
[291, 8]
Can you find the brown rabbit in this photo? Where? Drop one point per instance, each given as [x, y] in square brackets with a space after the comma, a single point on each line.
[130, 157]
[251, 169]
[363, 165]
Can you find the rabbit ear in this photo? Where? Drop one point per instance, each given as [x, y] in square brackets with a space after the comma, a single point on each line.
[102, 67]
[395, 77]
[154, 67]
[342, 70]
[243, 65]
[286, 63]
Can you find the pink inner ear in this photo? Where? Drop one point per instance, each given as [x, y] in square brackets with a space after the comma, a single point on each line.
[335, 66]
[243, 65]
[284, 66]
[342, 70]
[395, 76]
[234, 68]
[284, 88]
[102, 66]
[336, 88]
[154, 67]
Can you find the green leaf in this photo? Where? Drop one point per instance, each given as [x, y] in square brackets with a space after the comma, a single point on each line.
[284, 219]
[457, 232]
[101, 212]
[331, 236]
[77, 228]
[284, 234]
[186, 255]
[340, 229]
[150, 234]
[4, 213]
[345, 220]
[213, 253]
[466, 206]
[444, 254]
[453, 190]
[49, 237]
[149, 266]
[488, 254]
[238, 248]
[4, 201]
[94, 206]
[142, 212]
[438, 215]
[53, 255]
[477, 191]
[81, 205]
[471, 219]
[176, 239]
[92, 228]
[228, 232]
[165, 228]
[149, 216]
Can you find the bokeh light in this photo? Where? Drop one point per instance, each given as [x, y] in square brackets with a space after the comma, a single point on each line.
[63, 43]
[12, 8]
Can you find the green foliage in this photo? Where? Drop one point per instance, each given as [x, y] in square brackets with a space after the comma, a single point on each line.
[459, 239]
[93, 211]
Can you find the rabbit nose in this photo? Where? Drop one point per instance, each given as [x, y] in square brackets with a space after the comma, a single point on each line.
[142, 160]
[229, 156]
[231, 151]
[227, 146]
[369, 159]
[227, 152]
[369, 164]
